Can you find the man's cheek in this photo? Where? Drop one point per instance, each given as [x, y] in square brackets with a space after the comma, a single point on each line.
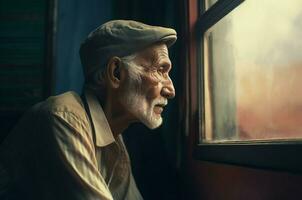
[152, 94]
[150, 80]
[150, 87]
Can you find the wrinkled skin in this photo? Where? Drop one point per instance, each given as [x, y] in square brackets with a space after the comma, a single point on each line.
[146, 98]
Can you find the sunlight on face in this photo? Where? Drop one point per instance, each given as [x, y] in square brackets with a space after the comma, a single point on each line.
[134, 99]
[148, 86]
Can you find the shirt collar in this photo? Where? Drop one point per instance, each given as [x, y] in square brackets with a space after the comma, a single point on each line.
[103, 133]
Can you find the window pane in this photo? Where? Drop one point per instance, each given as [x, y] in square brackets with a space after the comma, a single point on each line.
[253, 70]
[209, 3]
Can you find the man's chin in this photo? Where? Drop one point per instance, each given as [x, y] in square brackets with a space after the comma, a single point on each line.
[153, 124]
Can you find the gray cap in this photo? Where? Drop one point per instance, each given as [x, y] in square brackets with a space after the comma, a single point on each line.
[120, 38]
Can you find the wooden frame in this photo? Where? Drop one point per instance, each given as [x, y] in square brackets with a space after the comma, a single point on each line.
[282, 155]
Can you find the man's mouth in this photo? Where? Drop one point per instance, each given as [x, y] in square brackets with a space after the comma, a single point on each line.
[158, 108]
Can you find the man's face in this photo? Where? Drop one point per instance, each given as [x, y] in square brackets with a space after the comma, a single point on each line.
[149, 86]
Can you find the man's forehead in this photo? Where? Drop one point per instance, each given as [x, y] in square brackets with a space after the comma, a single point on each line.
[154, 53]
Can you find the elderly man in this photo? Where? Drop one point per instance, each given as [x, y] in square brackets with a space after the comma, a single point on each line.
[70, 146]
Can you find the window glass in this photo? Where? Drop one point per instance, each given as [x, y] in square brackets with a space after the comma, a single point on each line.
[209, 3]
[252, 73]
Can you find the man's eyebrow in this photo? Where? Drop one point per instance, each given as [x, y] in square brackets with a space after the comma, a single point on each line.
[160, 61]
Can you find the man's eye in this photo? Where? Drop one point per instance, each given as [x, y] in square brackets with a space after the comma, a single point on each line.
[152, 70]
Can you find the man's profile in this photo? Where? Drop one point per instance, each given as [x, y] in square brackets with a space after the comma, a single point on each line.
[70, 146]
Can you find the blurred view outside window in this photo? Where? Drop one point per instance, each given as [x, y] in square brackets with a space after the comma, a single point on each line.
[253, 73]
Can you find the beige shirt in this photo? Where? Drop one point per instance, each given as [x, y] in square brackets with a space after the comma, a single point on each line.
[60, 151]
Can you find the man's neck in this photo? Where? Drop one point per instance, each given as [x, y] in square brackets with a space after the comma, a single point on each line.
[116, 115]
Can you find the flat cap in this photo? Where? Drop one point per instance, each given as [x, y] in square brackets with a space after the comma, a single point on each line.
[120, 38]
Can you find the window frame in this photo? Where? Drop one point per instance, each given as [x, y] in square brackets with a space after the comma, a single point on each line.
[279, 155]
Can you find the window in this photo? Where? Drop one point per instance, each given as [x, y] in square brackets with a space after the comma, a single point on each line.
[250, 63]
[253, 65]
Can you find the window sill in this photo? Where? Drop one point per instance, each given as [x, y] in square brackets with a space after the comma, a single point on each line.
[280, 156]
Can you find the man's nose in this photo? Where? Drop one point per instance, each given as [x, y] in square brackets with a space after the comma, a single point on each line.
[168, 90]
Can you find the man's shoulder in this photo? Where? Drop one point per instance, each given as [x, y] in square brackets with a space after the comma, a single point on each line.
[68, 102]
[64, 110]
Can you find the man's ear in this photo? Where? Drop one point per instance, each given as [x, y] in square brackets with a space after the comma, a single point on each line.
[114, 71]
